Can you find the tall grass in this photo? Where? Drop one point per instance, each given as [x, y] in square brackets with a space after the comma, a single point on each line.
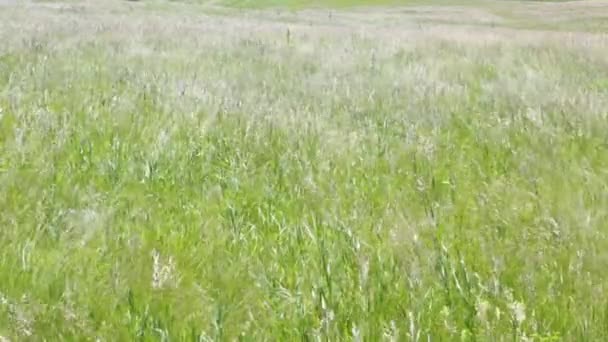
[172, 177]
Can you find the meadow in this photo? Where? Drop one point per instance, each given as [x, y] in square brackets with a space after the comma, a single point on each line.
[176, 171]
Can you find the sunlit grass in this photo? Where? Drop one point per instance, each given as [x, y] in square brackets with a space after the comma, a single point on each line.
[194, 177]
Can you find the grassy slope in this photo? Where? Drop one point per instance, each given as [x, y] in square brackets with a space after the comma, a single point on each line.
[309, 3]
[334, 186]
[350, 3]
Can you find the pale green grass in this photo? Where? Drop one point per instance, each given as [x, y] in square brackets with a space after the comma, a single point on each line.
[167, 176]
[317, 3]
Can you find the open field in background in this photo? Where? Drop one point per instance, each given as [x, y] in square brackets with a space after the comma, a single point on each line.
[174, 171]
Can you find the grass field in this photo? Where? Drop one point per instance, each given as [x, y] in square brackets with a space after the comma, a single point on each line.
[178, 171]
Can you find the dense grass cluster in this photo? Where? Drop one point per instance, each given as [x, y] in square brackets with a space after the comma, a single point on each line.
[173, 177]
